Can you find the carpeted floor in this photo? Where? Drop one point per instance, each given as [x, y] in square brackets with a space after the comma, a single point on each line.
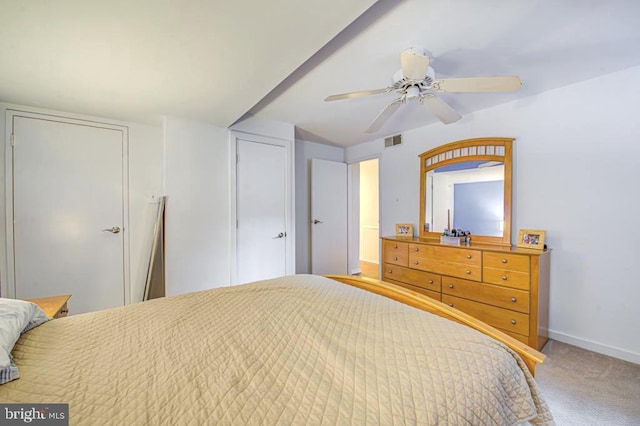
[586, 388]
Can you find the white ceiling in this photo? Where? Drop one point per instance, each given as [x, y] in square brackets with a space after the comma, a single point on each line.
[208, 60]
[547, 43]
[217, 60]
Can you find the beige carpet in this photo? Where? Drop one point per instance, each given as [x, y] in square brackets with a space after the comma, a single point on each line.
[586, 388]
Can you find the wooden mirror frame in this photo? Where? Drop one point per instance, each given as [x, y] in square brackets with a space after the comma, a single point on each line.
[478, 149]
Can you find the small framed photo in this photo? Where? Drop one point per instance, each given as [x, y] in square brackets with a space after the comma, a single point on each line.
[531, 238]
[404, 230]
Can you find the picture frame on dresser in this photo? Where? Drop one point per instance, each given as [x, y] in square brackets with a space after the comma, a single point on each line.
[531, 238]
[404, 230]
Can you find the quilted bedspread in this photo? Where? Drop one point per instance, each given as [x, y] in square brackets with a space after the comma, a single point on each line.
[294, 350]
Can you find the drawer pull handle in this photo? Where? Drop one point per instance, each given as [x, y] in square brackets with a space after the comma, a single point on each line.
[504, 260]
[451, 304]
[430, 281]
[395, 258]
[468, 256]
[468, 272]
[416, 262]
[395, 246]
[513, 322]
[416, 249]
[450, 285]
[389, 271]
[504, 278]
[514, 300]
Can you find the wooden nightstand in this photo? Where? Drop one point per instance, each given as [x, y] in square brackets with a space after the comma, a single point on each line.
[54, 306]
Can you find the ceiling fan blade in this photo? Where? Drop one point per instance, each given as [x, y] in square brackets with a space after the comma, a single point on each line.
[478, 84]
[414, 66]
[357, 94]
[384, 115]
[440, 109]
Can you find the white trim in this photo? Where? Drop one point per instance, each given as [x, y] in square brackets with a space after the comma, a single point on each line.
[353, 218]
[8, 282]
[290, 259]
[613, 351]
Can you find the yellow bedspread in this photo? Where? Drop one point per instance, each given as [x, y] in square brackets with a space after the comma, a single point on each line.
[294, 350]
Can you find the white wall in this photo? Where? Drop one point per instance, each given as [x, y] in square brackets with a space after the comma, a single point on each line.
[145, 178]
[197, 209]
[576, 174]
[305, 151]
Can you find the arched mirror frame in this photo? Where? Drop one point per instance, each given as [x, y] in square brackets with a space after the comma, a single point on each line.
[478, 149]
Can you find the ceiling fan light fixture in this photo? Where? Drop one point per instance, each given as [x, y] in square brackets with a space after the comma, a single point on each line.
[416, 50]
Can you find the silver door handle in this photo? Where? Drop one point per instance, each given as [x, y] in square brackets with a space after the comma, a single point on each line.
[280, 235]
[316, 221]
[114, 230]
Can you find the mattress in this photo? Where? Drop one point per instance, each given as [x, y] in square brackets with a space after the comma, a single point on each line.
[294, 350]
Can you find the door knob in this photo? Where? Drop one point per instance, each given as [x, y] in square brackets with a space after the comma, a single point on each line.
[316, 221]
[280, 235]
[113, 230]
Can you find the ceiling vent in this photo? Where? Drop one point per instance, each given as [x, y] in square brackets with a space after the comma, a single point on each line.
[392, 141]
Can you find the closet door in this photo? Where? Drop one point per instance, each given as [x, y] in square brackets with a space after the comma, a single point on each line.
[329, 244]
[69, 212]
[261, 211]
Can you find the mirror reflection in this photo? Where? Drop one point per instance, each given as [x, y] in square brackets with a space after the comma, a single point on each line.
[467, 195]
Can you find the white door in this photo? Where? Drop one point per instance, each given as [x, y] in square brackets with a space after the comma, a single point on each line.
[328, 217]
[68, 211]
[261, 211]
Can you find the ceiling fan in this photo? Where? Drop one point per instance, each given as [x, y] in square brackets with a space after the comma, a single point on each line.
[416, 80]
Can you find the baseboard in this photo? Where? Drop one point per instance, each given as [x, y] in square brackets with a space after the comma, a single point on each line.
[368, 260]
[356, 271]
[595, 347]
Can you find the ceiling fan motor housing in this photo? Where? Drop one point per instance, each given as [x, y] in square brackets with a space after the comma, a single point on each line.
[400, 83]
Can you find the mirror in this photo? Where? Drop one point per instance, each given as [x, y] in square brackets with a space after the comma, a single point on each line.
[467, 185]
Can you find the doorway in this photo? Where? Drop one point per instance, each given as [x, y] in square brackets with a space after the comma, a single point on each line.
[364, 229]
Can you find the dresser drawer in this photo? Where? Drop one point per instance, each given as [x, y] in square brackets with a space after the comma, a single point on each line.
[510, 262]
[63, 312]
[502, 297]
[432, 294]
[504, 319]
[439, 266]
[449, 254]
[506, 278]
[396, 252]
[425, 280]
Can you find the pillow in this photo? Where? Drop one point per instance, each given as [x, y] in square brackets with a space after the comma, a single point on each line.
[16, 317]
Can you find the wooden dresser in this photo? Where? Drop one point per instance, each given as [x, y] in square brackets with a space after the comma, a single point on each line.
[506, 287]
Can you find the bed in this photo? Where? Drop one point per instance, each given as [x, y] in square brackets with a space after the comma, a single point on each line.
[299, 349]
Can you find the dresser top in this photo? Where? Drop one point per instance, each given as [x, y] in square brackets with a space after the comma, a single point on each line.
[471, 245]
[51, 305]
